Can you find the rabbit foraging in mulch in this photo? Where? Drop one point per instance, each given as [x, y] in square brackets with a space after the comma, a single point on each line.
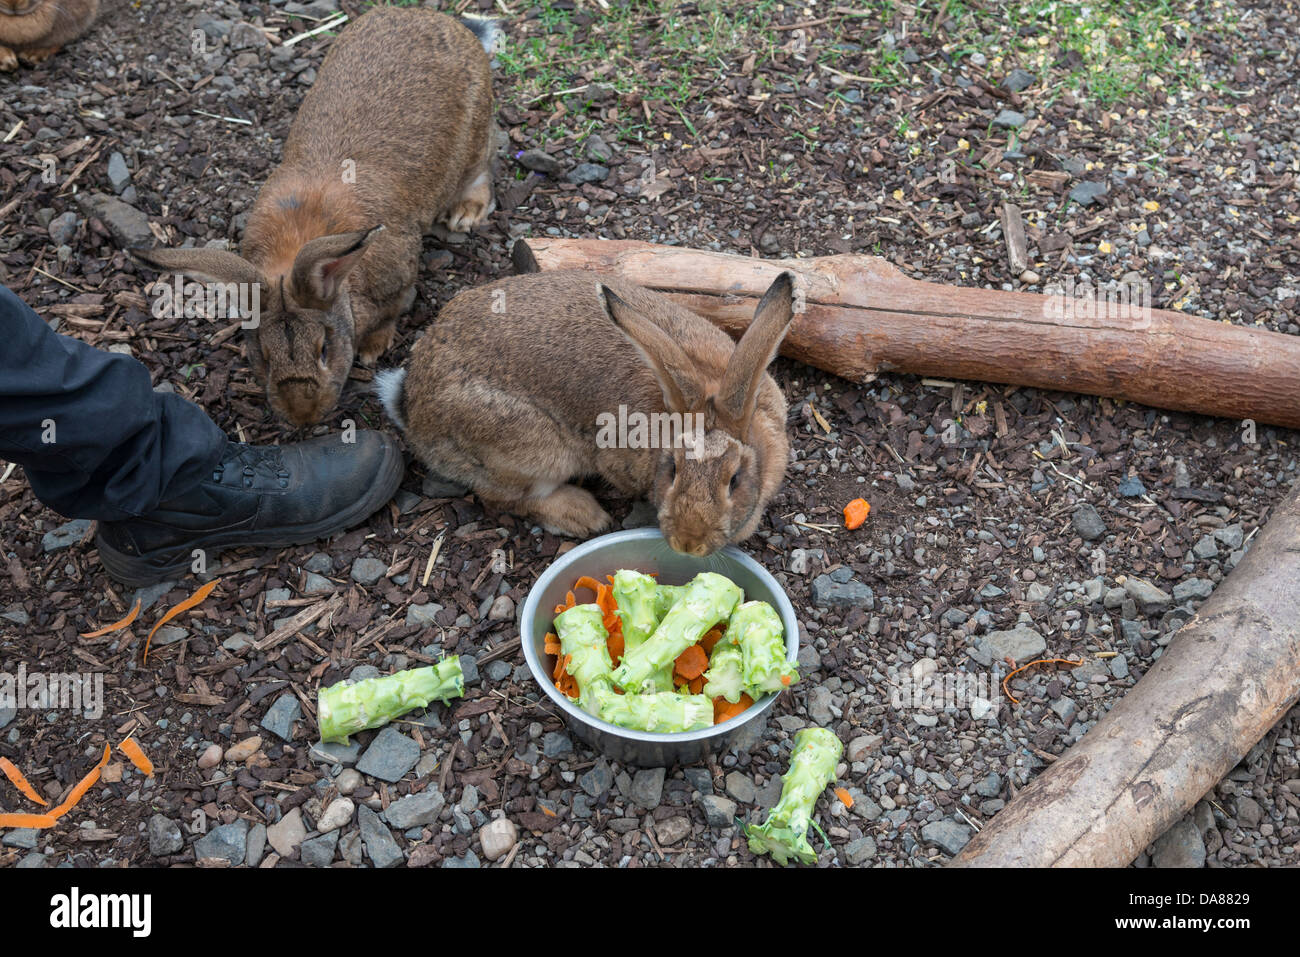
[395, 133]
[509, 389]
[34, 30]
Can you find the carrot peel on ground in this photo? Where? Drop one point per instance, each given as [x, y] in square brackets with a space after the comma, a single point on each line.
[856, 512]
[18, 780]
[48, 819]
[117, 625]
[137, 756]
[196, 599]
[1040, 661]
[845, 797]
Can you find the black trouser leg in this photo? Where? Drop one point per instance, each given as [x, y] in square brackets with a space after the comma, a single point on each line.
[94, 438]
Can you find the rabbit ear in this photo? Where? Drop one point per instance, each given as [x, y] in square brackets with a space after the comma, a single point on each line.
[322, 264]
[671, 366]
[210, 265]
[738, 393]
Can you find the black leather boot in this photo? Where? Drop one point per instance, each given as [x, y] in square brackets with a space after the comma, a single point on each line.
[259, 495]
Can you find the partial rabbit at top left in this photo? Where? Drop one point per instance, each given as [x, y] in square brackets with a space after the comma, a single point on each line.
[34, 30]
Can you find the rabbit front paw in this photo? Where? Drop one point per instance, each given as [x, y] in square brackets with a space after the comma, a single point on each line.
[8, 62]
[474, 206]
[33, 57]
[570, 510]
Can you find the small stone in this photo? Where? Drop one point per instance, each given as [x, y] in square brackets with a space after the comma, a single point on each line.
[423, 615]
[337, 815]
[861, 746]
[1119, 666]
[1131, 487]
[319, 851]
[828, 593]
[647, 788]
[1066, 709]
[990, 786]
[740, 787]
[1017, 80]
[1009, 119]
[468, 859]
[125, 223]
[119, 177]
[415, 810]
[255, 847]
[819, 705]
[1249, 813]
[598, 780]
[20, 837]
[598, 150]
[949, 836]
[314, 584]
[280, 716]
[1147, 596]
[69, 533]
[860, 851]
[1037, 592]
[1180, 846]
[539, 161]
[1087, 192]
[335, 753]
[503, 609]
[228, 841]
[718, 811]
[367, 571]
[497, 838]
[245, 36]
[1088, 523]
[1021, 643]
[210, 757]
[63, 227]
[389, 756]
[287, 833]
[164, 836]
[1193, 588]
[1206, 548]
[588, 173]
[672, 830]
[556, 744]
[244, 749]
[381, 847]
[348, 781]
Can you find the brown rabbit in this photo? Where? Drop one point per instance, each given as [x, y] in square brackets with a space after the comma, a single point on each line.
[510, 388]
[396, 133]
[35, 30]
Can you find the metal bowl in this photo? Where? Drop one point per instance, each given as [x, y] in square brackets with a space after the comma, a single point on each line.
[645, 550]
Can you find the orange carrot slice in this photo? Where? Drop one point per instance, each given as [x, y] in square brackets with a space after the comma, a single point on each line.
[692, 662]
[856, 512]
[697, 684]
[48, 819]
[196, 599]
[845, 797]
[710, 640]
[552, 644]
[724, 710]
[137, 756]
[117, 625]
[20, 782]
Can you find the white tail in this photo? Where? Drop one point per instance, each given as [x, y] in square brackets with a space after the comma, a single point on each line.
[390, 386]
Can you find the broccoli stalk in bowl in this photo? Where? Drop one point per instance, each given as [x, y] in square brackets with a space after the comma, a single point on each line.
[757, 629]
[640, 607]
[344, 709]
[784, 834]
[707, 600]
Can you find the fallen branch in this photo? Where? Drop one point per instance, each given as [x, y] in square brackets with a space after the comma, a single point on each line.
[1229, 675]
[862, 317]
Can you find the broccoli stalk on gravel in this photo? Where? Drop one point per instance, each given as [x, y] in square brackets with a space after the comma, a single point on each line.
[707, 600]
[583, 638]
[784, 834]
[756, 628]
[344, 709]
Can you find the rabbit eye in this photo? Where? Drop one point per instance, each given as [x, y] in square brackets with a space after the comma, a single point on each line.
[324, 351]
[735, 483]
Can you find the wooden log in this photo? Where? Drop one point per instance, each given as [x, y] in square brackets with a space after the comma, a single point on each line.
[862, 317]
[1228, 676]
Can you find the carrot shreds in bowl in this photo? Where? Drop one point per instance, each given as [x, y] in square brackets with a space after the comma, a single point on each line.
[724, 710]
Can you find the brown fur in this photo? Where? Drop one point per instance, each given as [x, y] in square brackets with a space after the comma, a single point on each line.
[35, 30]
[403, 102]
[505, 389]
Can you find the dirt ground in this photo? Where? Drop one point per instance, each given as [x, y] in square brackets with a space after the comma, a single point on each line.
[769, 129]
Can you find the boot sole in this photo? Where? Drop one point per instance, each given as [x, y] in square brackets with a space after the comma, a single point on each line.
[137, 571]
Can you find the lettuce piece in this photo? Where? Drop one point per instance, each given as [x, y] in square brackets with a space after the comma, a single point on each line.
[707, 600]
[663, 711]
[582, 634]
[784, 834]
[344, 709]
[724, 678]
[757, 629]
